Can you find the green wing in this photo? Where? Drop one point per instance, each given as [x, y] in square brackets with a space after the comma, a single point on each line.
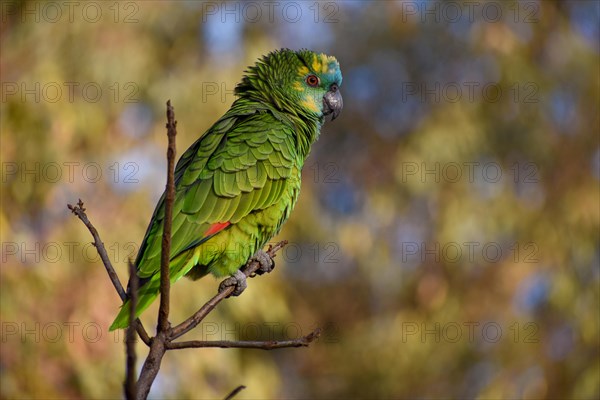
[238, 167]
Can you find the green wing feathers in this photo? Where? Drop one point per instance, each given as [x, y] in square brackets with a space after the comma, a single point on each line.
[239, 169]
[149, 292]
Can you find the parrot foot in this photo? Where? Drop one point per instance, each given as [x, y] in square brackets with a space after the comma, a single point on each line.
[237, 280]
[267, 264]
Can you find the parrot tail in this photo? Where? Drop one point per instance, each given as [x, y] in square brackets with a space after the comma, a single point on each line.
[149, 291]
[145, 298]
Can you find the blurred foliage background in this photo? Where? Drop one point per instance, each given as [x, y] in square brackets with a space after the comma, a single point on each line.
[446, 237]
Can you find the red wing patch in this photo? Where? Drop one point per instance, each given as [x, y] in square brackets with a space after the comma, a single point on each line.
[216, 227]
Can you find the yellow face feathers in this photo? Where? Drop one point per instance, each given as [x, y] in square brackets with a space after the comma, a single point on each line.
[303, 70]
[326, 69]
[310, 103]
[298, 86]
[320, 64]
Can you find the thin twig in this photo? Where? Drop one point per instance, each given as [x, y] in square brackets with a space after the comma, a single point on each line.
[248, 344]
[79, 211]
[130, 380]
[199, 315]
[165, 282]
[158, 346]
[234, 392]
[142, 332]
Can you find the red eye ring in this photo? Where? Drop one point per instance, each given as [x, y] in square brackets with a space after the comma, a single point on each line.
[312, 80]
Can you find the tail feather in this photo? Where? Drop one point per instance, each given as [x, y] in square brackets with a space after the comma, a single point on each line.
[122, 320]
[150, 289]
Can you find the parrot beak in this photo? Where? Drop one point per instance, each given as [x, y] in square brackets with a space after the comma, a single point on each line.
[332, 102]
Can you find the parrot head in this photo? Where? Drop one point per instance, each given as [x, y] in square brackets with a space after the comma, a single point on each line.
[300, 82]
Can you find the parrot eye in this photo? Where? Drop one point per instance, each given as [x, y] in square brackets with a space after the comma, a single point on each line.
[312, 80]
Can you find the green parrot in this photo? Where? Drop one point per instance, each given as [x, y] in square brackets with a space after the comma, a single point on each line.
[238, 183]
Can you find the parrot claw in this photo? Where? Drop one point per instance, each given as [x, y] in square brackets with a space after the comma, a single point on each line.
[237, 280]
[267, 264]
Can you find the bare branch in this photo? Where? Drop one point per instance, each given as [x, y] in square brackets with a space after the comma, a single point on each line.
[142, 332]
[234, 392]
[152, 364]
[158, 345]
[165, 282]
[130, 380]
[195, 319]
[242, 344]
[80, 212]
